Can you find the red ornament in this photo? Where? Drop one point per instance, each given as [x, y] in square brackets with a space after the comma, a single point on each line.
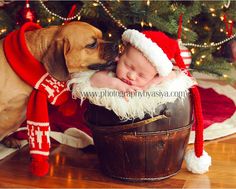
[26, 15]
[185, 53]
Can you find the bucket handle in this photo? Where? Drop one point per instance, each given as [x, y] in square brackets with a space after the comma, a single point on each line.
[111, 129]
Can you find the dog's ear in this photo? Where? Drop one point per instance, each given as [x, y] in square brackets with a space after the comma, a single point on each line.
[54, 59]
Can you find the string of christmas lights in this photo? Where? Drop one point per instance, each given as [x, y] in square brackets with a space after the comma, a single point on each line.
[60, 17]
[227, 4]
[118, 22]
[212, 44]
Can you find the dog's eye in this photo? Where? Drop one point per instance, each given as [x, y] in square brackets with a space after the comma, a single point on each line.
[93, 45]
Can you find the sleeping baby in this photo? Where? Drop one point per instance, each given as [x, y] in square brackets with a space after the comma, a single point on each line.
[139, 66]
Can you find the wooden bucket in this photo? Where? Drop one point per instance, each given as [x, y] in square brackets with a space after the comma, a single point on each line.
[142, 150]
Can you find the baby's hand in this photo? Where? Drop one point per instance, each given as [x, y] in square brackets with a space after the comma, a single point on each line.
[100, 79]
[124, 87]
[159, 79]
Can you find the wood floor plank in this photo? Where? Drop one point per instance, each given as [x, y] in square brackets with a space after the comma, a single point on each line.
[70, 167]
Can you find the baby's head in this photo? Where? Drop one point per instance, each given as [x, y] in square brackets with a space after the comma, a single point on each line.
[134, 68]
[146, 55]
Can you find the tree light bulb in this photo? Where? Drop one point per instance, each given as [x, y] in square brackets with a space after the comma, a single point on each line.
[186, 29]
[211, 9]
[206, 28]
[3, 30]
[142, 23]
[192, 50]
[221, 18]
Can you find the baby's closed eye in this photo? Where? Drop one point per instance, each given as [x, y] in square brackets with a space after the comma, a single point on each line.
[129, 66]
[141, 75]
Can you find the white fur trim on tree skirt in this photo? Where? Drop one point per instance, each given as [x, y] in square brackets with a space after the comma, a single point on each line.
[197, 165]
[150, 50]
[141, 103]
[72, 137]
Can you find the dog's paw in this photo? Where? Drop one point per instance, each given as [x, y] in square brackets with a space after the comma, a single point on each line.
[11, 142]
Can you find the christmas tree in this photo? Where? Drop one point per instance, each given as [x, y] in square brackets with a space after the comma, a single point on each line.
[206, 28]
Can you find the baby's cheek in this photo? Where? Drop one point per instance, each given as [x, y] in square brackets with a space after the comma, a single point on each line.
[141, 82]
[119, 73]
[120, 70]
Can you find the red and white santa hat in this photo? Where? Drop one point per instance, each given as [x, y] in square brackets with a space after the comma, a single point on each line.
[159, 49]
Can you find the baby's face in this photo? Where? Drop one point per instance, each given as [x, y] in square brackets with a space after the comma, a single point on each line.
[134, 69]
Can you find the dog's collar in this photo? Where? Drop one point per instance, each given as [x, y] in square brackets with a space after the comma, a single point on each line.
[19, 57]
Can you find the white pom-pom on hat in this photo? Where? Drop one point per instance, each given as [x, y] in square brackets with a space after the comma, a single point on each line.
[197, 165]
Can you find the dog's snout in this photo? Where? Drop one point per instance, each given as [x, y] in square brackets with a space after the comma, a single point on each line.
[107, 66]
[109, 51]
[115, 47]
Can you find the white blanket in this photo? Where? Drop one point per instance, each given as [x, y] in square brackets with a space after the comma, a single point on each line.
[139, 103]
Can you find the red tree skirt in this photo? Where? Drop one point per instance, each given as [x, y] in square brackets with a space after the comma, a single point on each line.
[216, 108]
[218, 103]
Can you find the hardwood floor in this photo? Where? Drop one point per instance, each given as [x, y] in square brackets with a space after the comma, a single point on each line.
[75, 168]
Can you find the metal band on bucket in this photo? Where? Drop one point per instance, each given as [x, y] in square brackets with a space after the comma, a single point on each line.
[118, 128]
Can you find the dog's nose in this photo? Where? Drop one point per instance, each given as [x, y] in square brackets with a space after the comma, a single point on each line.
[111, 65]
[109, 51]
[115, 47]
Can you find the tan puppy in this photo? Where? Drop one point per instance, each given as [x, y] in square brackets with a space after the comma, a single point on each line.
[63, 50]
